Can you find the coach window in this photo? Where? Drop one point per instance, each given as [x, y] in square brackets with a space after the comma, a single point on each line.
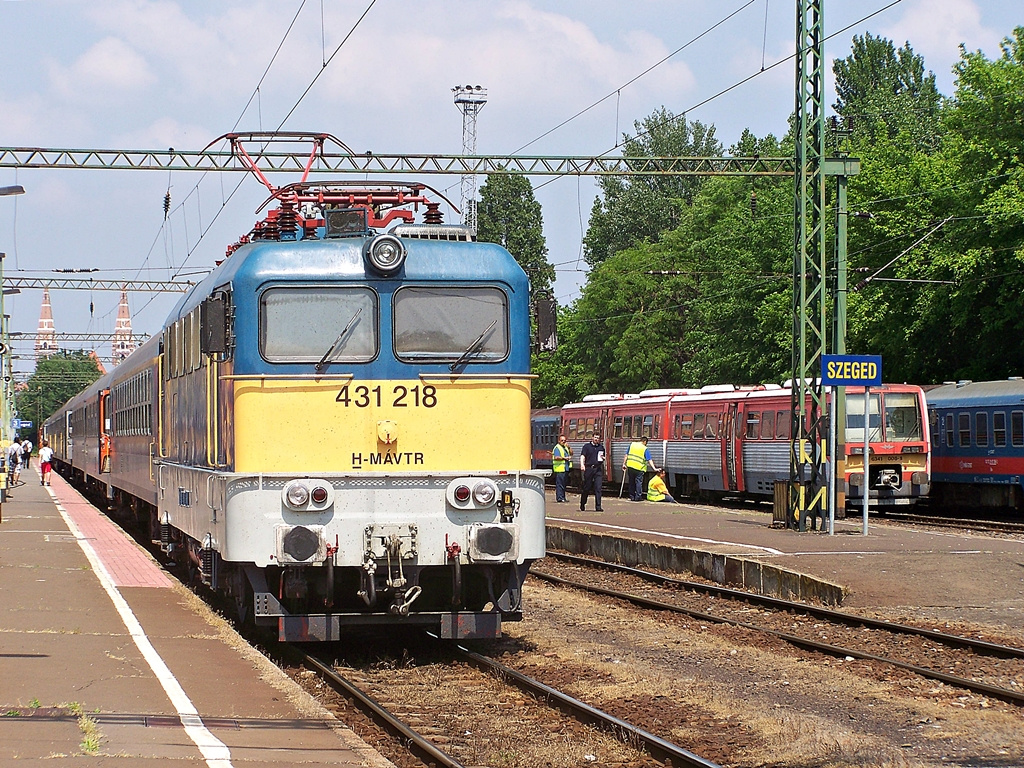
[648, 424]
[1017, 428]
[617, 429]
[981, 428]
[768, 425]
[949, 430]
[965, 429]
[711, 425]
[782, 425]
[685, 426]
[933, 424]
[753, 424]
[572, 429]
[307, 324]
[449, 324]
[657, 426]
[698, 426]
[999, 429]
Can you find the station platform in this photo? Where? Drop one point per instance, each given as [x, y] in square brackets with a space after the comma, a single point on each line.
[104, 657]
[896, 569]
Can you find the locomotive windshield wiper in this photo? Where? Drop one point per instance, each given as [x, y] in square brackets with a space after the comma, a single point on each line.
[323, 360]
[472, 348]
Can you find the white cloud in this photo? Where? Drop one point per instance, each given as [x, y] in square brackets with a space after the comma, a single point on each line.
[108, 69]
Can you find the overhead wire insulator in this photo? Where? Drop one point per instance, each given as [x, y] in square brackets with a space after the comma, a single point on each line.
[167, 204]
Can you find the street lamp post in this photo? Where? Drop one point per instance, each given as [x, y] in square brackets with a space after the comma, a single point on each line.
[5, 342]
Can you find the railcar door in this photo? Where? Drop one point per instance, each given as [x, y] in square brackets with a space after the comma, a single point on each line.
[104, 431]
[603, 425]
[69, 439]
[730, 428]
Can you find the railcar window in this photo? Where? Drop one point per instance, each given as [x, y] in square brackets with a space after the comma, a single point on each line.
[638, 425]
[590, 428]
[447, 322]
[1017, 428]
[572, 429]
[301, 324]
[768, 425]
[685, 426]
[999, 429]
[949, 430]
[647, 424]
[698, 426]
[981, 428]
[753, 424]
[902, 416]
[855, 419]
[965, 429]
[782, 424]
[657, 426]
[933, 421]
[617, 429]
[711, 425]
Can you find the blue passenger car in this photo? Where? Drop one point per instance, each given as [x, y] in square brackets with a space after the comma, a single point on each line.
[977, 430]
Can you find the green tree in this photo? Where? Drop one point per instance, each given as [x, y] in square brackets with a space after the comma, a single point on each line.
[883, 90]
[631, 210]
[56, 380]
[509, 214]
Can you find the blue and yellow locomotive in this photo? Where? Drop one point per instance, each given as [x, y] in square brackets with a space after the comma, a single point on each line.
[333, 427]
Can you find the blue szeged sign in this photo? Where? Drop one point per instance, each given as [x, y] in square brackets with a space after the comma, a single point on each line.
[851, 370]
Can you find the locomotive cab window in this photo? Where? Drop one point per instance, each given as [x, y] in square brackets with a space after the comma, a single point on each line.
[309, 324]
[451, 323]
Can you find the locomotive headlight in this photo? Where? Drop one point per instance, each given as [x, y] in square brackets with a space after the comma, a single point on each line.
[461, 494]
[296, 495]
[385, 253]
[484, 493]
[318, 494]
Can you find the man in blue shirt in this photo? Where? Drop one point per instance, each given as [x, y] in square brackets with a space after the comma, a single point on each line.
[592, 467]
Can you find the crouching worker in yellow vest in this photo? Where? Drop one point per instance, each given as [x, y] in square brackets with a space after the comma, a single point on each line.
[657, 490]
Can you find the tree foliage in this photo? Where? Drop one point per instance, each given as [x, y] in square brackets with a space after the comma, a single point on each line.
[631, 210]
[56, 380]
[509, 214]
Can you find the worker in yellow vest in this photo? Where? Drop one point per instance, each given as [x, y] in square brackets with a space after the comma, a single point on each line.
[561, 458]
[657, 490]
[637, 460]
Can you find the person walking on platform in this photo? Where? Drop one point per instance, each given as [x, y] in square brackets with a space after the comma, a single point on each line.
[26, 453]
[637, 460]
[45, 457]
[592, 467]
[14, 462]
[561, 460]
[657, 490]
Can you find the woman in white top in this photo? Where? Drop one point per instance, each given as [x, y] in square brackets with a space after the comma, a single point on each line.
[45, 456]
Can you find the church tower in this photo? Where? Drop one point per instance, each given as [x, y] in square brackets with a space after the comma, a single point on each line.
[46, 334]
[124, 343]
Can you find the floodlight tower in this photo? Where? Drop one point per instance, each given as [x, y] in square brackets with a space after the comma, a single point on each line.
[470, 99]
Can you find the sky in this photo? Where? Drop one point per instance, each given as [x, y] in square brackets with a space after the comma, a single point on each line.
[153, 74]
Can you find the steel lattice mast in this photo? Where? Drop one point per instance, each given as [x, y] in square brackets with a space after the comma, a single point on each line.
[470, 100]
[807, 487]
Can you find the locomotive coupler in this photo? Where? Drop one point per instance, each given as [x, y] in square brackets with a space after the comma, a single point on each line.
[369, 591]
[394, 547]
[329, 563]
[403, 600]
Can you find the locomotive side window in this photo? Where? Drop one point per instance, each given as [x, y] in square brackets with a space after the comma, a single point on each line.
[999, 429]
[965, 429]
[1017, 428]
[767, 425]
[949, 430]
[446, 323]
[981, 428]
[311, 324]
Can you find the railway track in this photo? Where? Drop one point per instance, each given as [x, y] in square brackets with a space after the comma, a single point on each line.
[444, 733]
[959, 523]
[990, 669]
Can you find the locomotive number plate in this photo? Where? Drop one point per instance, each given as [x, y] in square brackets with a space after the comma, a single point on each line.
[400, 396]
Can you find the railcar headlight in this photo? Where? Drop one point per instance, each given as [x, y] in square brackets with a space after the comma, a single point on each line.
[386, 254]
[462, 494]
[318, 494]
[296, 495]
[484, 493]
